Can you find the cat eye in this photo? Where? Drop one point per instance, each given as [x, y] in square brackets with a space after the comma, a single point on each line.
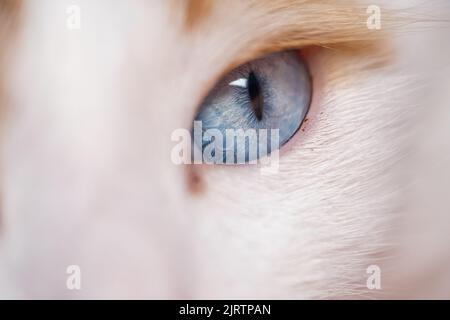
[255, 109]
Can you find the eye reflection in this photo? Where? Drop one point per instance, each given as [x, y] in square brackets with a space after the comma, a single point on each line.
[255, 109]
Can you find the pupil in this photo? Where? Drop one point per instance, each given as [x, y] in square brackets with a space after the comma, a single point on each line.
[254, 91]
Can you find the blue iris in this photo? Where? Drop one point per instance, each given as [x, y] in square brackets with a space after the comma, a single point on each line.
[272, 93]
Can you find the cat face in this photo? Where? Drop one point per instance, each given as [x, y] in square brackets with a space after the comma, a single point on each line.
[93, 91]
